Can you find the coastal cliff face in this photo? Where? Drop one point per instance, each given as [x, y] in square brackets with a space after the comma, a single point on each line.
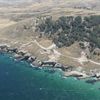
[63, 34]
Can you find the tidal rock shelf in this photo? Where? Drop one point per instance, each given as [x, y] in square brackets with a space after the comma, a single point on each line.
[34, 61]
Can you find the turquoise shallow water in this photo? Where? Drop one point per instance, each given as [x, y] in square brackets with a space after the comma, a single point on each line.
[18, 81]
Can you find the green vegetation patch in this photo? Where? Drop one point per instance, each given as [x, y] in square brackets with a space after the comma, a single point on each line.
[66, 30]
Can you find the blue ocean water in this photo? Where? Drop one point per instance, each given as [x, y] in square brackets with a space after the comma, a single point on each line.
[18, 81]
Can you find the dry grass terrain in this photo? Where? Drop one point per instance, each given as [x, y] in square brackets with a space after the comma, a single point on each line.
[50, 7]
[5, 23]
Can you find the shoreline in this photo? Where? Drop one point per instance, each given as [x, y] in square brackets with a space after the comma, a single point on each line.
[34, 61]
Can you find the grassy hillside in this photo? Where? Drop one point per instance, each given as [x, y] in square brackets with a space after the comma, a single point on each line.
[69, 32]
[23, 33]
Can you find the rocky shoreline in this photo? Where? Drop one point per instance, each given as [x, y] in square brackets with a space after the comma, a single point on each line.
[34, 61]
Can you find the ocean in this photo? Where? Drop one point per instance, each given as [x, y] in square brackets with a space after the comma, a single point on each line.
[19, 81]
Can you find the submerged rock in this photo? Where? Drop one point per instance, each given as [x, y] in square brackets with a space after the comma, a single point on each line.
[52, 71]
[92, 81]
